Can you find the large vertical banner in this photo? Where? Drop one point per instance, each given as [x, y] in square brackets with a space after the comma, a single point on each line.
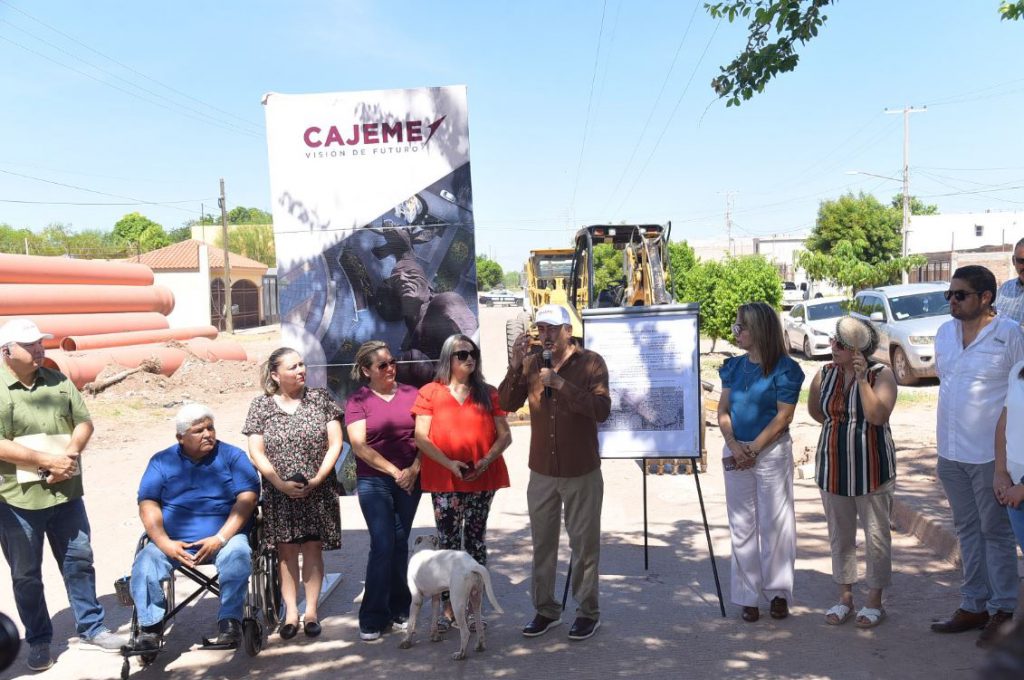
[373, 221]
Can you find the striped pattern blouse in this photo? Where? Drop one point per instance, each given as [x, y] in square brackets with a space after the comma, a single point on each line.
[854, 457]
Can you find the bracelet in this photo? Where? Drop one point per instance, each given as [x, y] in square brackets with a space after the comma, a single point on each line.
[223, 541]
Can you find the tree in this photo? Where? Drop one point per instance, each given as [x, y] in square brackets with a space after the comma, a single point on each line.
[255, 241]
[608, 272]
[843, 267]
[682, 259]
[13, 240]
[873, 229]
[793, 22]
[243, 215]
[182, 233]
[140, 231]
[858, 242]
[721, 287]
[511, 280]
[488, 273]
[917, 206]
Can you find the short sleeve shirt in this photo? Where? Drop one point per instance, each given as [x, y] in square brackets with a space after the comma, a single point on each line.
[52, 405]
[463, 432]
[196, 496]
[390, 426]
[754, 397]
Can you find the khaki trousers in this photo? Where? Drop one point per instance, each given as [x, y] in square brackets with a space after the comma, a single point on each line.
[581, 498]
[874, 510]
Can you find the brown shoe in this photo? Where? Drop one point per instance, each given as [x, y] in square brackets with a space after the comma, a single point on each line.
[779, 608]
[961, 621]
[750, 614]
[992, 632]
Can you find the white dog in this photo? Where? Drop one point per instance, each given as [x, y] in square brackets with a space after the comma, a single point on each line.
[433, 571]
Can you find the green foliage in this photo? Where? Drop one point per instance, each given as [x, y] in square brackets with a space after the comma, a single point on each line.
[61, 239]
[843, 267]
[180, 234]
[682, 259]
[721, 287]
[872, 229]
[255, 241]
[511, 280]
[488, 273]
[608, 272]
[238, 215]
[792, 22]
[917, 206]
[1012, 10]
[135, 229]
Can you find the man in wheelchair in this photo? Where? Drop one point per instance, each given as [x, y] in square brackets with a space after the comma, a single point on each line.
[196, 501]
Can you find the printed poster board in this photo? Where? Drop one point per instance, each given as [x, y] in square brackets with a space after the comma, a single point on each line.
[653, 357]
[373, 224]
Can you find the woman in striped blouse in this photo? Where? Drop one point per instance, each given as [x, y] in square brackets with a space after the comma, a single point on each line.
[852, 398]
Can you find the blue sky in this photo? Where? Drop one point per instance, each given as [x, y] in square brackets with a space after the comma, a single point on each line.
[156, 102]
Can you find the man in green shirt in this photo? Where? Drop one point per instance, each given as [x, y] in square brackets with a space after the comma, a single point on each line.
[44, 426]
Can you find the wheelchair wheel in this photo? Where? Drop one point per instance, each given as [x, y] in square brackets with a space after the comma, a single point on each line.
[252, 636]
[272, 591]
[125, 668]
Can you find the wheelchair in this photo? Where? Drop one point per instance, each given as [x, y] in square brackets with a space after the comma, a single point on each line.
[261, 612]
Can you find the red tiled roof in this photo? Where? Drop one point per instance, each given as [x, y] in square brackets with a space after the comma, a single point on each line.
[185, 256]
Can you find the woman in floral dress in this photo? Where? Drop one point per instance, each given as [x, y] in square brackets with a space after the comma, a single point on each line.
[294, 441]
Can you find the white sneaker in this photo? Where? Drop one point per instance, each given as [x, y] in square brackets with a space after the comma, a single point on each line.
[368, 635]
[104, 642]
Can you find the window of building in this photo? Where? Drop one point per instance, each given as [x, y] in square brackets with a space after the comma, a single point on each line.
[979, 229]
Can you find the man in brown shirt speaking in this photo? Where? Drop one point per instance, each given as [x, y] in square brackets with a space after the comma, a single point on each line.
[567, 389]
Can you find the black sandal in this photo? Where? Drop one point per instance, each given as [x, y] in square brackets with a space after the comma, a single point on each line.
[288, 631]
[311, 628]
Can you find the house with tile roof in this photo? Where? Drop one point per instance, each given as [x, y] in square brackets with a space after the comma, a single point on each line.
[195, 272]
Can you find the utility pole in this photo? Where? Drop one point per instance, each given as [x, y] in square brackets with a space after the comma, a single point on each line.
[229, 323]
[906, 111]
[728, 219]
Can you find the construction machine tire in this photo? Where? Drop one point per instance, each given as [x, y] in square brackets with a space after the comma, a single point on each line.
[515, 327]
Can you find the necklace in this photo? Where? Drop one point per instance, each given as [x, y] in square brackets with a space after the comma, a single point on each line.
[748, 375]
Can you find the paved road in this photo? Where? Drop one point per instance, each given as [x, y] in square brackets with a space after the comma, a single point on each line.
[662, 622]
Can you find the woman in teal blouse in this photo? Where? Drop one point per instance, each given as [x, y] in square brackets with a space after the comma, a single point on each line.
[760, 390]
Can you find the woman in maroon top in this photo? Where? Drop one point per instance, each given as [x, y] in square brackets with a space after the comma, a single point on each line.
[462, 433]
[379, 420]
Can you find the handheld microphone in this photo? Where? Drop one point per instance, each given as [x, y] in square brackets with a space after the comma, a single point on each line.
[546, 356]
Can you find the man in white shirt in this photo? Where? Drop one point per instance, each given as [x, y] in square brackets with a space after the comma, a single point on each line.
[974, 353]
[1010, 298]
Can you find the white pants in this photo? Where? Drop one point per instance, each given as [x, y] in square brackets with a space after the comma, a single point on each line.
[763, 525]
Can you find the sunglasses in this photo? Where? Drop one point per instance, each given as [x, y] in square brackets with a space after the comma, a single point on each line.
[384, 365]
[465, 354]
[960, 295]
[738, 328]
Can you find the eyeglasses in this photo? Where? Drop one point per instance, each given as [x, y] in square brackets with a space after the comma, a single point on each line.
[465, 354]
[738, 328]
[960, 295]
[384, 365]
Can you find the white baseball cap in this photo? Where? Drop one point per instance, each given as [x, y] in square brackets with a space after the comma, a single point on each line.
[554, 315]
[23, 331]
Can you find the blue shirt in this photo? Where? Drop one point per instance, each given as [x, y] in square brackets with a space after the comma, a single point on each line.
[197, 497]
[754, 397]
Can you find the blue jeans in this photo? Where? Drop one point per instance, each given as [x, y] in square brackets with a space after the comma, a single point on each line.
[66, 528]
[234, 565]
[388, 511]
[1017, 523]
[987, 547]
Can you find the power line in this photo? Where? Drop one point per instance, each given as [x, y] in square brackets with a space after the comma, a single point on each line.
[586, 121]
[654, 107]
[100, 193]
[129, 68]
[201, 117]
[670, 117]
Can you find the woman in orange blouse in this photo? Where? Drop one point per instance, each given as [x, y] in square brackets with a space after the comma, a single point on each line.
[462, 432]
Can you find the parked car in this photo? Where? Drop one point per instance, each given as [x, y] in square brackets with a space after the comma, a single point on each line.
[809, 326]
[501, 297]
[907, 317]
[791, 294]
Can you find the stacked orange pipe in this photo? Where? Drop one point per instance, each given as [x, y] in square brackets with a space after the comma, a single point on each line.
[51, 270]
[63, 325]
[76, 298]
[79, 343]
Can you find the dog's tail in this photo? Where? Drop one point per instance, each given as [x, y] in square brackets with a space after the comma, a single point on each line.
[488, 588]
